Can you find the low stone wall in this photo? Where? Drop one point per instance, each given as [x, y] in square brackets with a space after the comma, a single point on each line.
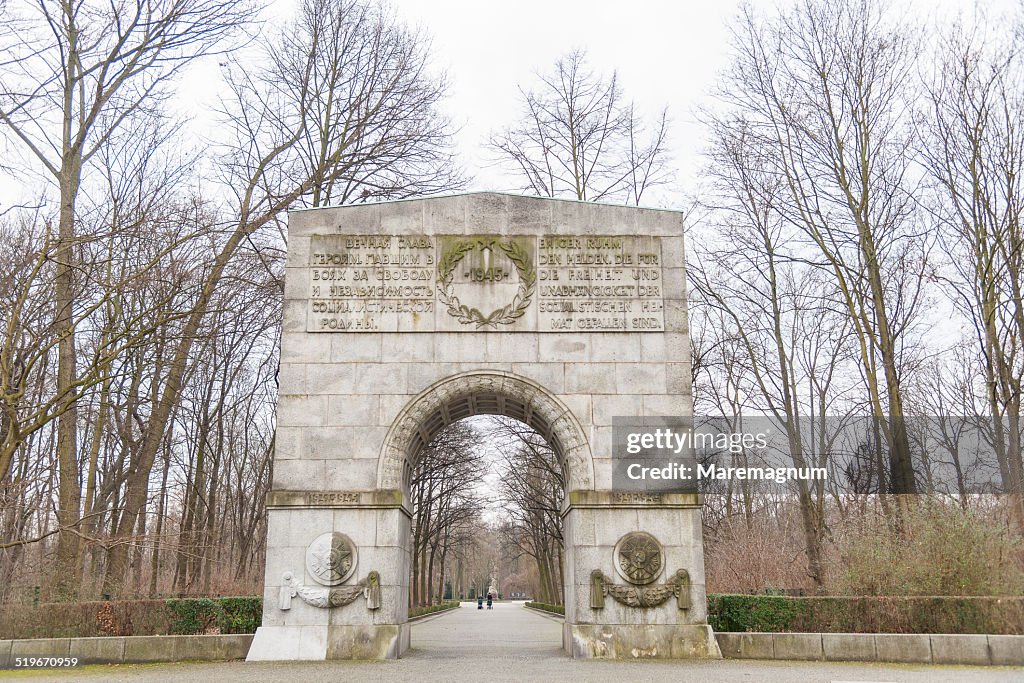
[837, 647]
[128, 649]
[909, 648]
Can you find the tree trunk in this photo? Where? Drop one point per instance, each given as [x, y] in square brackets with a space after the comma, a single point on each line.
[66, 575]
[154, 577]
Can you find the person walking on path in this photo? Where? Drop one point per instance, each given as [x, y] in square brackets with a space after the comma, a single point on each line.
[490, 601]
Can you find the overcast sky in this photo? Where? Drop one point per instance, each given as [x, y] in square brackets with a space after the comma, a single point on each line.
[667, 53]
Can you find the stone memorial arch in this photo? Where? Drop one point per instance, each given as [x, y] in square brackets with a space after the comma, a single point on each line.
[403, 317]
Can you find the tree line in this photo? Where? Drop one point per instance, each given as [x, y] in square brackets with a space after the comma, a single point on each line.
[139, 357]
[858, 254]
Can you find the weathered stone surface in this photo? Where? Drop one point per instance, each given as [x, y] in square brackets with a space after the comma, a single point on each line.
[729, 644]
[635, 641]
[903, 647]
[1006, 650]
[849, 647]
[98, 650]
[960, 649]
[41, 647]
[292, 642]
[797, 645]
[694, 641]
[130, 649]
[296, 474]
[142, 649]
[746, 645]
[213, 648]
[386, 641]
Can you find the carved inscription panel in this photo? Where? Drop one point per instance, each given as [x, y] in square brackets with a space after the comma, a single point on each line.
[428, 283]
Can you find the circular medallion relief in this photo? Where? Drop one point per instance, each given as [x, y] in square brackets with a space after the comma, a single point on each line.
[331, 558]
[639, 558]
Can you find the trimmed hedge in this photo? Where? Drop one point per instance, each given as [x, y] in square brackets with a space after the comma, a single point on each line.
[870, 614]
[186, 616]
[240, 614]
[543, 606]
[194, 616]
[420, 611]
[771, 613]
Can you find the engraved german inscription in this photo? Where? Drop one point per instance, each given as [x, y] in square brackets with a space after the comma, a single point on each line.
[599, 284]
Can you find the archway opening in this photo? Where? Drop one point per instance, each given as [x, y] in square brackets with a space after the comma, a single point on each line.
[487, 547]
[484, 461]
[552, 428]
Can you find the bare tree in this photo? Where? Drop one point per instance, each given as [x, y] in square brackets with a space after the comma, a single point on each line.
[73, 72]
[973, 147]
[533, 492]
[823, 90]
[446, 507]
[578, 137]
[269, 169]
[764, 298]
[344, 109]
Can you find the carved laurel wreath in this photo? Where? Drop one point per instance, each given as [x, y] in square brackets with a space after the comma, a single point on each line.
[505, 315]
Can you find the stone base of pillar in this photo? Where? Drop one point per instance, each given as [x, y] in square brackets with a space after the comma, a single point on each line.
[367, 641]
[640, 641]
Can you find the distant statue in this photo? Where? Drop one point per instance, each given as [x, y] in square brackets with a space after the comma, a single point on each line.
[493, 589]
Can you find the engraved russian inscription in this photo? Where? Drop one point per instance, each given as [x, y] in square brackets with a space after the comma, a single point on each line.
[364, 283]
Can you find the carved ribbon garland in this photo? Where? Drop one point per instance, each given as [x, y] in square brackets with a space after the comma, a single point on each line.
[640, 596]
[369, 588]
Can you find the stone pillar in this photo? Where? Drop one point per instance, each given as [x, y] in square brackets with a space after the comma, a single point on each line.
[364, 614]
[635, 577]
